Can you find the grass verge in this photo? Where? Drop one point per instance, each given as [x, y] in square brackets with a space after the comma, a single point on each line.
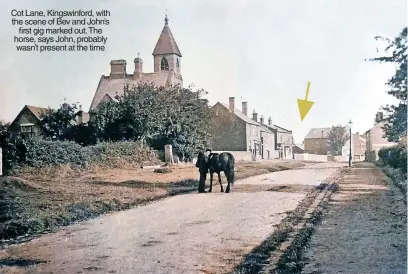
[40, 203]
[397, 178]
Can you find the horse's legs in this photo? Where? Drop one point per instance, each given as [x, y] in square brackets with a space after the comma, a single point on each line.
[219, 180]
[229, 179]
[211, 180]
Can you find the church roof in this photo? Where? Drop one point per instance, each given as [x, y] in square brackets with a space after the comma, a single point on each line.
[166, 43]
[113, 87]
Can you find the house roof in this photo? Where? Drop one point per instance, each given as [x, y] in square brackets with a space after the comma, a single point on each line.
[37, 111]
[166, 43]
[246, 119]
[279, 129]
[301, 146]
[316, 133]
[113, 87]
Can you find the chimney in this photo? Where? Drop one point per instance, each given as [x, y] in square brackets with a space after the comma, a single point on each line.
[232, 104]
[255, 116]
[118, 69]
[262, 119]
[80, 115]
[270, 121]
[245, 108]
[138, 67]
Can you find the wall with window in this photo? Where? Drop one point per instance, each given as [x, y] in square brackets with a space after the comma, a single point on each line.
[27, 124]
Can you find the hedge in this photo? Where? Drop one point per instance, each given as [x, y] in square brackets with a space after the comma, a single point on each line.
[395, 157]
[38, 153]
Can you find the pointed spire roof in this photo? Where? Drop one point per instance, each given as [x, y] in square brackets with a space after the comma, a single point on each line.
[166, 43]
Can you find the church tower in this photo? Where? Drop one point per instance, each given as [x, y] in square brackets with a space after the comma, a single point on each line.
[166, 54]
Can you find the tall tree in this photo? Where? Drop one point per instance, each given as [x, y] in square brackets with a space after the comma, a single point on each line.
[58, 123]
[394, 117]
[337, 137]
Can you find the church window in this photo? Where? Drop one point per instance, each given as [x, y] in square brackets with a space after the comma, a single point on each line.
[178, 63]
[164, 64]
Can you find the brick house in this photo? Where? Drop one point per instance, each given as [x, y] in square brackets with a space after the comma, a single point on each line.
[317, 142]
[358, 147]
[246, 138]
[375, 141]
[167, 70]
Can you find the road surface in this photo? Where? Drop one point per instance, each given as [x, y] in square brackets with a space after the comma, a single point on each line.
[194, 233]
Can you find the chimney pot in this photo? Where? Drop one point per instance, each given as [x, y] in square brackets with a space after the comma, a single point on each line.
[262, 120]
[245, 108]
[232, 104]
[270, 121]
[118, 68]
[255, 116]
[138, 68]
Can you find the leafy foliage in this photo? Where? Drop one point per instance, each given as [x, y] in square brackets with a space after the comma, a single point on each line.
[394, 118]
[57, 123]
[337, 138]
[39, 152]
[395, 157]
[157, 116]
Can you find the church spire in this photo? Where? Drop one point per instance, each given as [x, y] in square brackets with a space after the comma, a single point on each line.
[166, 43]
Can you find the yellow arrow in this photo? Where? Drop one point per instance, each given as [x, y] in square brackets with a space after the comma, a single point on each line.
[304, 105]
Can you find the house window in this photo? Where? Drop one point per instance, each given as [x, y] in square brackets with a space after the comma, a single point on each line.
[164, 64]
[27, 129]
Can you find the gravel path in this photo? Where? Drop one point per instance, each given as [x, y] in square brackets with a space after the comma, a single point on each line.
[364, 230]
[194, 233]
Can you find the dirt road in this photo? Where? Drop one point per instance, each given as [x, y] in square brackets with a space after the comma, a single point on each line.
[195, 233]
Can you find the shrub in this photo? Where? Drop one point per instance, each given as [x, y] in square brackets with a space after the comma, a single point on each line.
[111, 153]
[41, 153]
[395, 157]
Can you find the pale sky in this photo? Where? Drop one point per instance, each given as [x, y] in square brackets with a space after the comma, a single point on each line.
[264, 52]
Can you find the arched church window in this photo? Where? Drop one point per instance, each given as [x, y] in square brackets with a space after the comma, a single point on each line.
[164, 64]
[178, 63]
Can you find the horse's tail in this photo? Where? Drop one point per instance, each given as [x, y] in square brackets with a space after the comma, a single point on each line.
[230, 174]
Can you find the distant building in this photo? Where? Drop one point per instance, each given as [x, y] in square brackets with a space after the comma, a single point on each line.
[285, 141]
[358, 147]
[375, 140]
[27, 121]
[317, 142]
[298, 149]
[167, 70]
[234, 131]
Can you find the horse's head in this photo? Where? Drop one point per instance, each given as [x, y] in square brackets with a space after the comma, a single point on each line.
[202, 158]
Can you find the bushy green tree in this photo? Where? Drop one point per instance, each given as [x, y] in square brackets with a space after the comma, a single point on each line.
[157, 116]
[57, 124]
[394, 117]
[337, 138]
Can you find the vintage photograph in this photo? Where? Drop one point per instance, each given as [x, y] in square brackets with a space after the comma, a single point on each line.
[203, 136]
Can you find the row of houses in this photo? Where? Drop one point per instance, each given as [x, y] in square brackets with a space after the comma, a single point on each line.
[363, 146]
[249, 137]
